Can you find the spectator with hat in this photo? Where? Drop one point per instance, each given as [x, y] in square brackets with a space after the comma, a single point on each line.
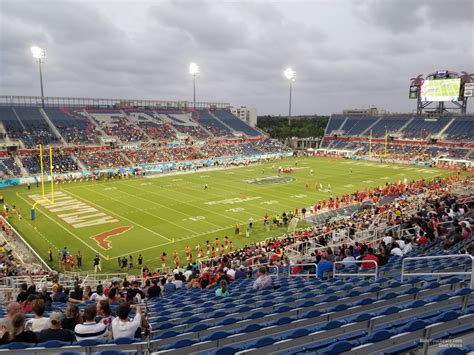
[55, 331]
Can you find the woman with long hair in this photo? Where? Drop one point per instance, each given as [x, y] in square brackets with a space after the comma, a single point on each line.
[73, 317]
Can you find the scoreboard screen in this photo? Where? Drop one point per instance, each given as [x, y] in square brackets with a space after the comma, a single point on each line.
[440, 90]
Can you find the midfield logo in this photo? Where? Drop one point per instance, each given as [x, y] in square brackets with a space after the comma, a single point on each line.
[271, 180]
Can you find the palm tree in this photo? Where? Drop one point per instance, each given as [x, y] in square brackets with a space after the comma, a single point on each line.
[467, 78]
[417, 81]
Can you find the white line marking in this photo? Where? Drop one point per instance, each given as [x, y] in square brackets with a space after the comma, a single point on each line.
[59, 224]
[125, 218]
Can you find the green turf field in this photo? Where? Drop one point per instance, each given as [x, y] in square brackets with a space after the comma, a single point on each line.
[152, 215]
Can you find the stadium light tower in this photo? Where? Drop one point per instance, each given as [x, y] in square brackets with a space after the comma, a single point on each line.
[290, 75]
[39, 54]
[194, 70]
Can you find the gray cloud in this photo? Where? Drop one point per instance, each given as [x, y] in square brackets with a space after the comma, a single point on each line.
[345, 53]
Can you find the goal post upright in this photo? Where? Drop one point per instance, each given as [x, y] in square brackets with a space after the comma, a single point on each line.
[44, 198]
[41, 169]
[51, 173]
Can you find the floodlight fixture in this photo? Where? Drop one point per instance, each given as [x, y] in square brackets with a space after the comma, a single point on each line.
[38, 53]
[193, 69]
[289, 74]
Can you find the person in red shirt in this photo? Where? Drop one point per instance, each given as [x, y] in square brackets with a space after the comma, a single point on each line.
[370, 256]
[422, 240]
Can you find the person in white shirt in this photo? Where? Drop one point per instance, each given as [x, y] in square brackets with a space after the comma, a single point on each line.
[38, 323]
[408, 247]
[349, 259]
[401, 244]
[122, 327]
[90, 329]
[98, 295]
[396, 251]
[231, 274]
[387, 240]
[177, 281]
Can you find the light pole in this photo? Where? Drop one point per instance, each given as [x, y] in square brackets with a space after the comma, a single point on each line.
[194, 70]
[39, 54]
[290, 75]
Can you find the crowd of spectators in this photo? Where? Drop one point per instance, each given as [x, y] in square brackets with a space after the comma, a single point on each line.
[102, 159]
[122, 129]
[195, 132]
[105, 313]
[9, 168]
[406, 152]
[157, 131]
[62, 162]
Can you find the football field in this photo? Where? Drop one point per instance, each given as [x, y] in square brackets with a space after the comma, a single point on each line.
[152, 215]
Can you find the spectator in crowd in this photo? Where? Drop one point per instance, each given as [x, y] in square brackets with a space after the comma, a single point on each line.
[113, 296]
[263, 280]
[38, 323]
[396, 251]
[222, 291]
[12, 309]
[76, 294]
[61, 296]
[27, 306]
[367, 260]
[154, 290]
[73, 317]
[23, 294]
[90, 329]
[18, 332]
[55, 331]
[105, 313]
[348, 260]
[122, 327]
[240, 273]
[170, 285]
[98, 295]
[382, 256]
[324, 266]
[4, 334]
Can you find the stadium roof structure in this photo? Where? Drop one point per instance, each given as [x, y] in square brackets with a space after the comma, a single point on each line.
[58, 101]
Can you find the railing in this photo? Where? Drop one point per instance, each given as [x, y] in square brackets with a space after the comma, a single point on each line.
[374, 274]
[22, 241]
[435, 273]
[94, 279]
[275, 274]
[308, 273]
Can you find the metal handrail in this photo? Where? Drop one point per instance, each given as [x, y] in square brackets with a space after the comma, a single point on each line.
[375, 274]
[307, 274]
[433, 273]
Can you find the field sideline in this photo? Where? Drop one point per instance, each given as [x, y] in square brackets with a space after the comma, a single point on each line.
[155, 215]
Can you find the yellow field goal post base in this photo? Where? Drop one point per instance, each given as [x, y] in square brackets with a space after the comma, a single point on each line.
[44, 198]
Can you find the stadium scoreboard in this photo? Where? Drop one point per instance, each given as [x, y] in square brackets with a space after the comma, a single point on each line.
[440, 90]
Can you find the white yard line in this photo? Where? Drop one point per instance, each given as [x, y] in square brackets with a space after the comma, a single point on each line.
[60, 225]
[127, 219]
[170, 208]
[120, 216]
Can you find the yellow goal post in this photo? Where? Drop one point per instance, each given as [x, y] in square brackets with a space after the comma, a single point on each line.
[44, 197]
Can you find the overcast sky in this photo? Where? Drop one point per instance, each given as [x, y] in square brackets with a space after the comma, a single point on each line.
[346, 53]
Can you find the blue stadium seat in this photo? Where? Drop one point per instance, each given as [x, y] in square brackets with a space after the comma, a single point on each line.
[337, 348]
[119, 341]
[53, 344]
